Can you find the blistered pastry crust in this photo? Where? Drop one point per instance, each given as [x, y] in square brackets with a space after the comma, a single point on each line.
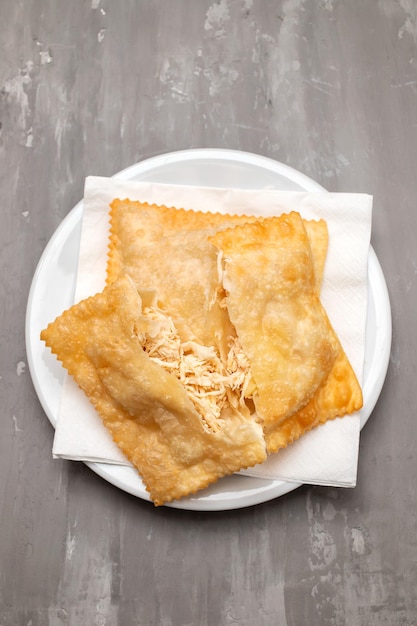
[147, 410]
[241, 288]
[302, 375]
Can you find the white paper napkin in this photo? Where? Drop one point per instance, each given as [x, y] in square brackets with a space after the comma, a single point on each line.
[327, 455]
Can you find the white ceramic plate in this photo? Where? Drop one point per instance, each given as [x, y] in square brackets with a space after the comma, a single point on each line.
[54, 282]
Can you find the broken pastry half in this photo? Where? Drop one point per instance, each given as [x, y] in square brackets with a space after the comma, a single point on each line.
[301, 375]
[171, 406]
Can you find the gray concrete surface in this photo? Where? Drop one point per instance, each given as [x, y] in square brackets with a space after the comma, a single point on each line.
[90, 87]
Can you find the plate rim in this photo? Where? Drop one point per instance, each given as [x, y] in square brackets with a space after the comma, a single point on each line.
[274, 488]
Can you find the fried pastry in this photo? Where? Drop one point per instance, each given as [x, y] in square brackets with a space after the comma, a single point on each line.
[209, 346]
[339, 395]
[125, 354]
[167, 249]
[302, 376]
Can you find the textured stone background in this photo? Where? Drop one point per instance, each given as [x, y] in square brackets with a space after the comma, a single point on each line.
[90, 87]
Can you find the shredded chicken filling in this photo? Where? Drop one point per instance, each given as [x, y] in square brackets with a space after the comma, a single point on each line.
[210, 384]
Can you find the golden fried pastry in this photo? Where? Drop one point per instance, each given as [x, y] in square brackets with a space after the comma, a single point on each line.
[273, 302]
[339, 395]
[274, 306]
[209, 346]
[155, 392]
[318, 238]
[167, 249]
